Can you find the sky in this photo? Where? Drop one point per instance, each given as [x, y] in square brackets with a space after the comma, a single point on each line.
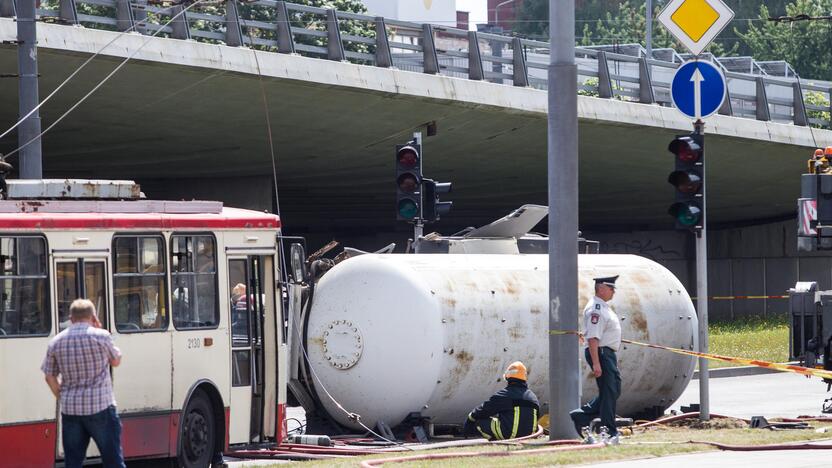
[477, 8]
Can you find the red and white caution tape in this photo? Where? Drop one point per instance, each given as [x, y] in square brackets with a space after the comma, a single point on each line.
[824, 374]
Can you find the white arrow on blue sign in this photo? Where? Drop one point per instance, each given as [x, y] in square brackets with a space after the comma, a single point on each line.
[698, 89]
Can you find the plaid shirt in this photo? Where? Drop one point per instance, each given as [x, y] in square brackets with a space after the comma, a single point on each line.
[81, 356]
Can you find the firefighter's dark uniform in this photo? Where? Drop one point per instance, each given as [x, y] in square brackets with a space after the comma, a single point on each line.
[511, 412]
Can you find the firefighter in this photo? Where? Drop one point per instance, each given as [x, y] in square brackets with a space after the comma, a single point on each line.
[602, 331]
[817, 159]
[510, 413]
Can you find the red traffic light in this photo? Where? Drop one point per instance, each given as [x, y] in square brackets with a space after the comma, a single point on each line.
[408, 157]
[686, 149]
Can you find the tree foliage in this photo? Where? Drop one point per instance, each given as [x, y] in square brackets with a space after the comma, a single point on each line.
[807, 46]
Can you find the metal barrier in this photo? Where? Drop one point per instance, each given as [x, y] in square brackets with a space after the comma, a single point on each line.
[317, 32]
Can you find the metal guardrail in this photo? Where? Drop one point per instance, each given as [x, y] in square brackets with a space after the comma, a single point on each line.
[440, 50]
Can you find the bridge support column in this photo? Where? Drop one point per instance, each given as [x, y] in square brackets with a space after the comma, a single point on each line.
[799, 113]
[124, 15]
[140, 15]
[233, 31]
[334, 45]
[180, 27]
[762, 101]
[645, 83]
[521, 73]
[431, 62]
[475, 71]
[726, 108]
[285, 40]
[384, 58]
[66, 10]
[604, 82]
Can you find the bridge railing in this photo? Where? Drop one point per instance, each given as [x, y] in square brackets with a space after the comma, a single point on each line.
[284, 27]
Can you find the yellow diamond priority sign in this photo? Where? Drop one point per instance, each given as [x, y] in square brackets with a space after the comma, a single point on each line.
[695, 23]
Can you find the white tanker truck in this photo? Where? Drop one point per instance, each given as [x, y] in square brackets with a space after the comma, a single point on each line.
[390, 336]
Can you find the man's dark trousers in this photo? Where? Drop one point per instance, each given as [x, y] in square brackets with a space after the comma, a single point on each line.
[609, 388]
[105, 429]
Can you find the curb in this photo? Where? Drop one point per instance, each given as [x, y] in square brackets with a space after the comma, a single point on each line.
[740, 371]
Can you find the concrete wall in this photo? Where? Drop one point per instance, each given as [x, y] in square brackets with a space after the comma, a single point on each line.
[254, 193]
[760, 260]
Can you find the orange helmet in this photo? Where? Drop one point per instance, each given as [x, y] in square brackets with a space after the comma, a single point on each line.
[818, 153]
[828, 152]
[515, 370]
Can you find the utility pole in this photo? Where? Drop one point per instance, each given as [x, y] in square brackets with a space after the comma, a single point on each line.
[31, 166]
[563, 219]
[648, 40]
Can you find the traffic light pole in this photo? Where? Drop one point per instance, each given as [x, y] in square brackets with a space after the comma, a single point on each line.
[564, 371]
[702, 294]
[419, 222]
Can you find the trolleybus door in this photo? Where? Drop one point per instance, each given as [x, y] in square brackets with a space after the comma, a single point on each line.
[80, 277]
[253, 347]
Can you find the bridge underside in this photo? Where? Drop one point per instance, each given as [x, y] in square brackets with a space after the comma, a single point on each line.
[177, 127]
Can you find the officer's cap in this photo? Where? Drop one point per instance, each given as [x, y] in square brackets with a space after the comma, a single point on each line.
[608, 280]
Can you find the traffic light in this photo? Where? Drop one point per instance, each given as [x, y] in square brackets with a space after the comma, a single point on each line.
[408, 181]
[689, 180]
[433, 208]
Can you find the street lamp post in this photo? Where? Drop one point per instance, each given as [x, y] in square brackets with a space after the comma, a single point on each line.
[497, 11]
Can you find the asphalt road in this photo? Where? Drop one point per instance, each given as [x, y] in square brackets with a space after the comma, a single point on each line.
[770, 395]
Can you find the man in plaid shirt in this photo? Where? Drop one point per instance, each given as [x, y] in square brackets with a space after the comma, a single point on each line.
[82, 355]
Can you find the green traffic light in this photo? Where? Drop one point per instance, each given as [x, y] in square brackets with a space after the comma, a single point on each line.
[408, 208]
[686, 214]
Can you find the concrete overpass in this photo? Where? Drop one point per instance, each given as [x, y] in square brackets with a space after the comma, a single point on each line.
[186, 119]
[185, 111]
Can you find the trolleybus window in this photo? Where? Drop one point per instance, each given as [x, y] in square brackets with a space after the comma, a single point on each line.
[70, 286]
[24, 291]
[193, 282]
[139, 284]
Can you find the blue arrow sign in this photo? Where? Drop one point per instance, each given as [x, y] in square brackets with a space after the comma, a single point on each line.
[698, 89]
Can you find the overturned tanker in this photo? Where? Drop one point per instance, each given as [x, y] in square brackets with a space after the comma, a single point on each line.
[390, 335]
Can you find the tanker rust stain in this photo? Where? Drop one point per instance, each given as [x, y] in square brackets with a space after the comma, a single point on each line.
[511, 288]
[516, 333]
[535, 310]
[464, 357]
[450, 302]
[639, 322]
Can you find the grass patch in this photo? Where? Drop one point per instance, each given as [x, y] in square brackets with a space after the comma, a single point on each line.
[766, 339]
[645, 443]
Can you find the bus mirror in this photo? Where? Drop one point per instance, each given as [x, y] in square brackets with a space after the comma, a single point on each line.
[298, 263]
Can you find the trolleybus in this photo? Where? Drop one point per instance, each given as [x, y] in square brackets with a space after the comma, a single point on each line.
[186, 288]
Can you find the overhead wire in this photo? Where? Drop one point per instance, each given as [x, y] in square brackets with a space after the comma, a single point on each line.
[267, 112]
[70, 77]
[100, 83]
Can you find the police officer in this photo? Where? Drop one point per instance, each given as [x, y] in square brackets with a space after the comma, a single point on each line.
[602, 331]
[510, 413]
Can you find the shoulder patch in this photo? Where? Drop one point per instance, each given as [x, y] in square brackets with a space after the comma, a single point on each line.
[597, 306]
[594, 318]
